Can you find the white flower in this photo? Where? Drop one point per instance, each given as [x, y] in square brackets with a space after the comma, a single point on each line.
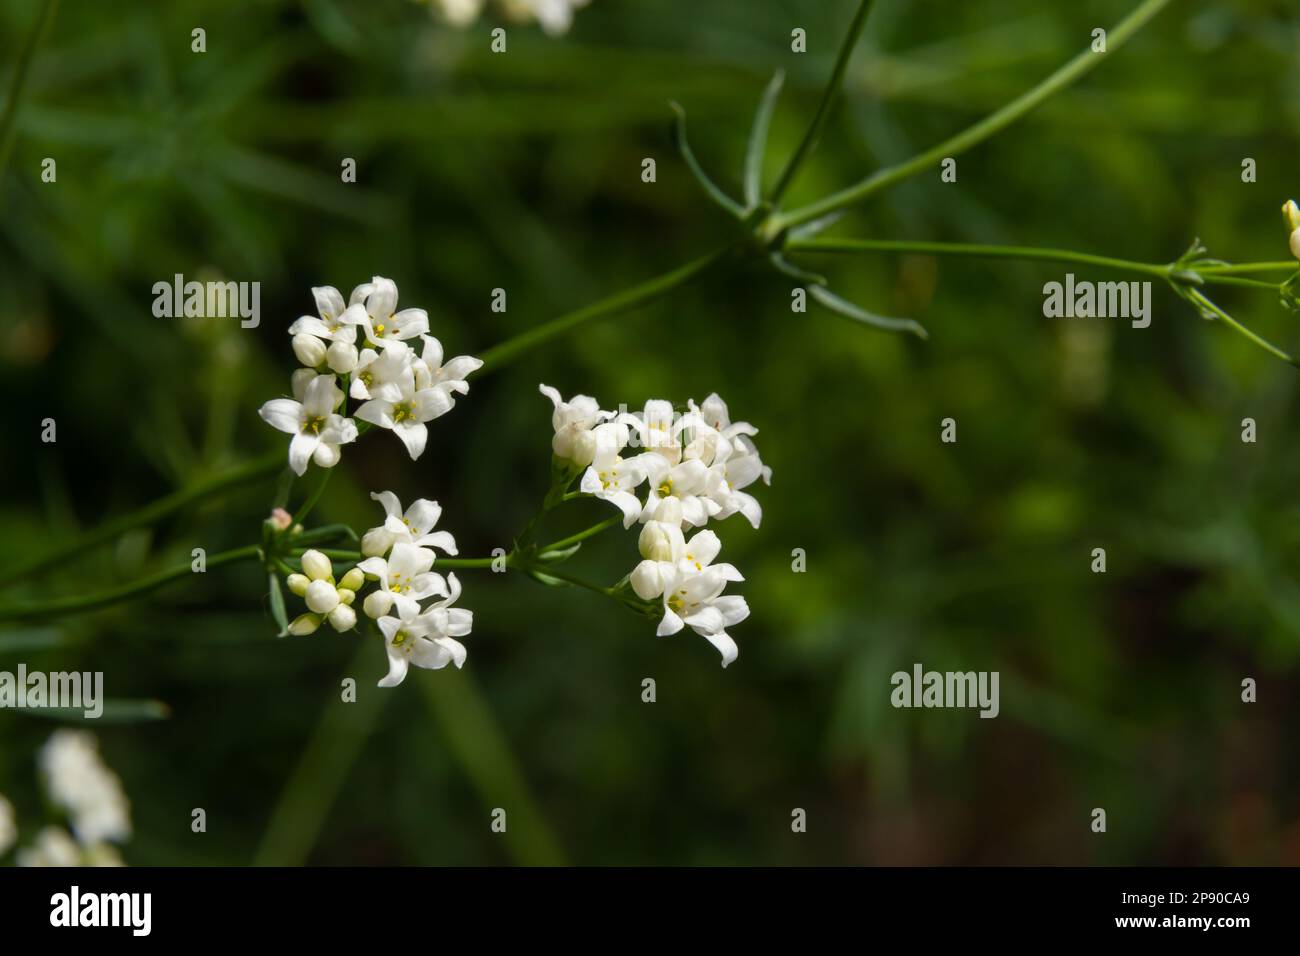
[404, 579]
[382, 323]
[555, 16]
[53, 847]
[652, 576]
[425, 638]
[414, 526]
[695, 599]
[460, 13]
[687, 482]
[341, 357]
[336, 323]
[612, 478]
[736, 467]
[325, 599]
[573, 422]
[379, 373]
[658, 429]
[79, 782]
[310, 418]
[431, 372]
[407, 413]
[8, 830]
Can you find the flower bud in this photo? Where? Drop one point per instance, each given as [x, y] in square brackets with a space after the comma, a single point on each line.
[321, 597]
[583, 448]
[316, 566]
[343, 618]
[1295, 243]
[660, 542]
[281, 519]
[304, 624]
[309, 349]
[377, 604]
[298, 583]
[347, 595]
[342, 357]
[1291, 215]
[376, 542]
[646, 580]
[353, 580]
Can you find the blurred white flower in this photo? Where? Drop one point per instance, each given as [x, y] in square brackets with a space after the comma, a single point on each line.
[8, 829]
[555, 16]
[414, 526]
[309, 417]
[79, 782]
[404, 579]
[425, 638]
[53, 847]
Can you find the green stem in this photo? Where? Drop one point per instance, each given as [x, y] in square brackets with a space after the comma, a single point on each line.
[582, 535]
[1200, 299]
[509, 350]
[575, 581]
[22, 68]
[91, 602]
[994, 123]
[300, 517]
[149, 514]
[813, 134]
[1246, 267]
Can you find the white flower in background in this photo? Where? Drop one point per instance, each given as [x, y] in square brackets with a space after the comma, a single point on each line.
[687, 482]
[380, 372]
[555, 16]
[325, 599]
[414, 526]
[8, 829]
[79, 782]
[573, 422]
[309, 417]
[404, 580]
[53, 847]
[431, 372]
[460, 13]
[406, 414]
[425, 638]
[694, 598]
[382, 323]
[611, 477]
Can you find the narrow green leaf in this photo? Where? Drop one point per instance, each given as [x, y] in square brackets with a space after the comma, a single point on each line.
[277, 604]
[857, 314]
[701, 177]
[758, 140]
[114, 712]
[32, 639]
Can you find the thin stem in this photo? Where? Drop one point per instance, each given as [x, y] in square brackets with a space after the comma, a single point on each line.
[813, 134]
[21, 69]
[583, 535]
[995, 122]
[91, 602]
[149, 514]
[1246, 267]
[301, 515]
[1217, 274]
[574, 495]
[575, 581]
[1200, 299]
[509, 350]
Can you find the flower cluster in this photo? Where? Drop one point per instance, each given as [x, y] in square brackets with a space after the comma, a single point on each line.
[555, 16]
[398, 562]
[370, 344]
[694, 468]
[90, 795]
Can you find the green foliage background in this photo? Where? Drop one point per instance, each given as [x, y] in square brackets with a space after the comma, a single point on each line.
[521, 171]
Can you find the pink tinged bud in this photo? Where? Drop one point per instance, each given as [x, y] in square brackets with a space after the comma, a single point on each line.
[281, 519]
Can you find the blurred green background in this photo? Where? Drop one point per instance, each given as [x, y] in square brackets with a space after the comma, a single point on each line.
[522, 171]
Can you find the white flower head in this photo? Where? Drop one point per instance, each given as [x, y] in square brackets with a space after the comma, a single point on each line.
[382, 323]
[425, 638]
[460, 13]
[335, 324]
[432, 372]
[317, 430]
[412, 526]
[573, 422]
[325, 599]
[378, 373]
[612, 478]
[693, 598]
[53, 847]
[79, 782]
[407, 412]
[554, 16]
[404, 579]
